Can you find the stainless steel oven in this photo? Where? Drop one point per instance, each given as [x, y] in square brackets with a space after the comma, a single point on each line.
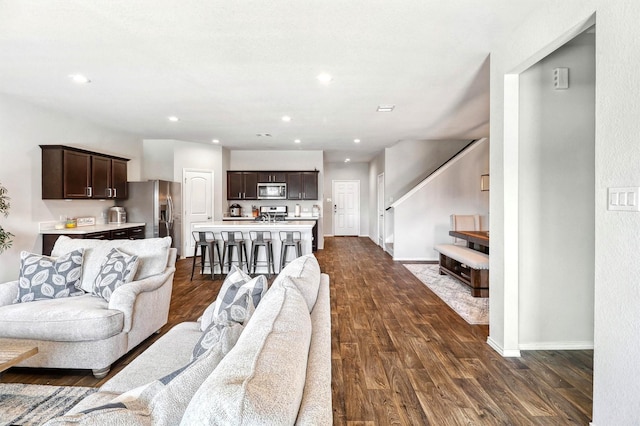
[272, 191]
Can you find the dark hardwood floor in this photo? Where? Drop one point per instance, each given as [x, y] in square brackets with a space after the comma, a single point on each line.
[400, 355]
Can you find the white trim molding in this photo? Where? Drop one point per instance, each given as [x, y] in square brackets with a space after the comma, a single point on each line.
[556, 346]
[511, 353]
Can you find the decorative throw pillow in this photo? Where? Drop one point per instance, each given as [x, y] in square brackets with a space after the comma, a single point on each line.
[117, 268]
[226, 334]
[237, 299]
[45, 277]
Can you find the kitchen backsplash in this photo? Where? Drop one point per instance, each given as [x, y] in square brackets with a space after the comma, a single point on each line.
[306, 207]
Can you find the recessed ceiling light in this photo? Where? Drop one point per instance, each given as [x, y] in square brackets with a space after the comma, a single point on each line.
[215, 141]
[173, 118]
[356, 140]
[346, 160]
[297, 141]
[79, 78]
[324, 78]
[385, 108]
[286, 118]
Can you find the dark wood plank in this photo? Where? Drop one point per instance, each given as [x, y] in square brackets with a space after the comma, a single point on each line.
[399, 354]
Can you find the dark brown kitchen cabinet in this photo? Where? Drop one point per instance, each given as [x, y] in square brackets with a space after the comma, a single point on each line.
[135, 233]
[242, 185]
[108, 178]
[76, 174]
[119, 179]
[73, 173]
[302, 185]
[272, 177]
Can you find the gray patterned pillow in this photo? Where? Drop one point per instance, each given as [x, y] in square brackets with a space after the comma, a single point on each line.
[44, 277]
[117, 268]
[225, 334]
[237, 299]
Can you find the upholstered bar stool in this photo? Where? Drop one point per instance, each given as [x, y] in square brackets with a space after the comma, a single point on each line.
[208, 245]
[289, 239]
[234, 239]
[261, 239]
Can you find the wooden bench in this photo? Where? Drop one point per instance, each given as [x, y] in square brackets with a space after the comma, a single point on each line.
[468, 265]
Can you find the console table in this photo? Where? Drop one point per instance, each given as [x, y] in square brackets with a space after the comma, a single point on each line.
[477, 240]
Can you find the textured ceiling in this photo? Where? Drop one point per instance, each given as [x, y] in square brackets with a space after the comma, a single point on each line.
[231, 69]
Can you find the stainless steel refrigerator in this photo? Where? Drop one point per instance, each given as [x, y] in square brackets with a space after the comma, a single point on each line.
[157, 203]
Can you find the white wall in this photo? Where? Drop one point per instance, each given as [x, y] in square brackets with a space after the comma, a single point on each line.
[157, 159]
[347, 171]
[408, 162]
[376, 166]
[617, 155]
[23, 127]
[557, 155]
[423, 219]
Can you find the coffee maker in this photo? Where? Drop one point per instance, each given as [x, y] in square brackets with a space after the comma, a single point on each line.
[117, 215]
[235, 210]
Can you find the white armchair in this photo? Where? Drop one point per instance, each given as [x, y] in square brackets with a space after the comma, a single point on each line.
[88, 332]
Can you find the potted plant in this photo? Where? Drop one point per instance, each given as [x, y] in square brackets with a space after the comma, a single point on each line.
[5, 237]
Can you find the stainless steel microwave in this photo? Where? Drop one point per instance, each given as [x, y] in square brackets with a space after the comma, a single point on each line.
[272, 191]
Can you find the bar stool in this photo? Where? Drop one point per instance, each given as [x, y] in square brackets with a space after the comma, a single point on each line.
[205, 240]
[261, 239]
[234, 239]
[289, 239]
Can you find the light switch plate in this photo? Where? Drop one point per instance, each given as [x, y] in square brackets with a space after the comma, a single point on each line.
[624, 198]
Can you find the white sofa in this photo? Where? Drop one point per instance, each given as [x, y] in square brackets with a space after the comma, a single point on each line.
[278, 372]
[87, 332]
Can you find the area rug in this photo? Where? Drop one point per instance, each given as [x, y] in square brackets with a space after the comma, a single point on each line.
[35, 404]
[474, 310]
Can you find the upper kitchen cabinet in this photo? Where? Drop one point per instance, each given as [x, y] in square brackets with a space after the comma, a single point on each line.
[269, 177]
[72, 173]
[302, 185]
[108, 178]
[242, 185]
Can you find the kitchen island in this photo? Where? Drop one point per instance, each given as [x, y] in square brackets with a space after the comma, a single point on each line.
[305, 228]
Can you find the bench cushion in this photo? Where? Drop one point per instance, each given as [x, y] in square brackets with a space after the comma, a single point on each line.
[472, 258]
[71, 319]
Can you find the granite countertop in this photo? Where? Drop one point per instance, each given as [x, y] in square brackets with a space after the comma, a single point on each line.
[87, 229]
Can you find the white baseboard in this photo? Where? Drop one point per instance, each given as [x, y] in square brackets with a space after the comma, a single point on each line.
[512, 353]
[556, 346]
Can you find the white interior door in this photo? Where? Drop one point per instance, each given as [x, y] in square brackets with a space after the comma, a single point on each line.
[346, 207]
[198, 203]
[381, 209]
